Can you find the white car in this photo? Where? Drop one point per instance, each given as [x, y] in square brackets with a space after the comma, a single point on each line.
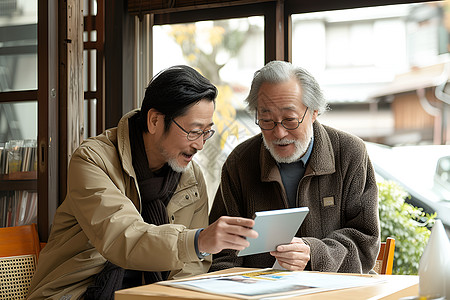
[423, 171]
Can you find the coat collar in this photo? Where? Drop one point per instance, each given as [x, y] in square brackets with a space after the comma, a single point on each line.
[320, 162]
[123, 143]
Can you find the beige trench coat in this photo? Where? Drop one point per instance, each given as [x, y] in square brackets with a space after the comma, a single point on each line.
[99, 220]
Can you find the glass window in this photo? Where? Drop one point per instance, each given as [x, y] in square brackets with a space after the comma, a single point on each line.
[384, 71]
[18, 45]
[18, 120]
[227, 52]
[365, 59]
[18, 163]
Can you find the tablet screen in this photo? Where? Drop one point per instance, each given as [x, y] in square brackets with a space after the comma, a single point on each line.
[274, 227]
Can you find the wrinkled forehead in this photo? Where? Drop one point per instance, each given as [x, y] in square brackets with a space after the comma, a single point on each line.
[285, 101]
[282, 95]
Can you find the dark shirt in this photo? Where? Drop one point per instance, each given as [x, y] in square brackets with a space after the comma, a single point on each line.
[291, 173]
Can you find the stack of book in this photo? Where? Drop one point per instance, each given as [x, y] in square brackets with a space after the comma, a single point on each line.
[18, 208]
[3, 160]
[18, 156]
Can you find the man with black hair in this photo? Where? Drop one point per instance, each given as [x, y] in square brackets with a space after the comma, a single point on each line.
[136, 209]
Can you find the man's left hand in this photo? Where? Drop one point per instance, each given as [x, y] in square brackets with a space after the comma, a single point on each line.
[293, 256]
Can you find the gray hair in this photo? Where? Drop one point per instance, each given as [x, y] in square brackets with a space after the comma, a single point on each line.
[281, 71]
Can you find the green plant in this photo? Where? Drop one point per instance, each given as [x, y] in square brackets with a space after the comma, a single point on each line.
[404, 222]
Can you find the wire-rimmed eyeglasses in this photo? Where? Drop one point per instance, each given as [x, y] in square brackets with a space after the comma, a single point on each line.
[196, 133]
[288, 123]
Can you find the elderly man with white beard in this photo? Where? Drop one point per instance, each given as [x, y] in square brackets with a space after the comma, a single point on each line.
[297, 162]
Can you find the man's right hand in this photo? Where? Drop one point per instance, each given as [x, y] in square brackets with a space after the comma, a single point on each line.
[226, 233]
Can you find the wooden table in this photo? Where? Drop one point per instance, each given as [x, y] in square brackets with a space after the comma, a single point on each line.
[395, 287]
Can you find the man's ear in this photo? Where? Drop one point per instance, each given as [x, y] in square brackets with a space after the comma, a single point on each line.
[153, 117]
[314, 116]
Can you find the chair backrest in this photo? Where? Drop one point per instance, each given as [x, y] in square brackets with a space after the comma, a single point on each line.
[385, 259]
[19, 251]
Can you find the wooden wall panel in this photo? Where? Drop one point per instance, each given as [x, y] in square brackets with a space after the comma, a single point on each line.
[75, 117]
[71, 110]
[140, 7]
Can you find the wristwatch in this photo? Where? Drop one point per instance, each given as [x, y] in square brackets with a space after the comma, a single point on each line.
[204, 254]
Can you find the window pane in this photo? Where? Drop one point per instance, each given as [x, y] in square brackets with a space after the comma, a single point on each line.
[93, 68]
[18, 120]
[366, 58]
[385, 72]
[227, 52]
[18, 162]
[18, 45]
[90, 118]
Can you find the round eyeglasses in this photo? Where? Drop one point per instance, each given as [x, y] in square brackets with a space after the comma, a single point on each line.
[196, 133]
[288, 123]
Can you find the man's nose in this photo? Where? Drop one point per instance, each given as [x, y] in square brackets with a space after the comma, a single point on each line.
[279, 131]
[198, 143]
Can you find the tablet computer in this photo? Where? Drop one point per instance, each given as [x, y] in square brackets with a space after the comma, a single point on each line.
[274, 227]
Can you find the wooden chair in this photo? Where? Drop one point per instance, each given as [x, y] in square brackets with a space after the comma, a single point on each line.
[385, 259]
[19, 251]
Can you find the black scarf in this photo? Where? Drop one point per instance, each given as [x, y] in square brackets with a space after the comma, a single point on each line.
[156, 189]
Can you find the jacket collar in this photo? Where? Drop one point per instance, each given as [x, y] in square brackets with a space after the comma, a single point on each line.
[321, 161]
[123, 143]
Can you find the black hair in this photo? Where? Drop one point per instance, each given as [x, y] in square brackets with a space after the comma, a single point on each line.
[173, 91]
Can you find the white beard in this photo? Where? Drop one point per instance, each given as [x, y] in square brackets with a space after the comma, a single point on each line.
[172, 161]
[176, 167]
[301, 146]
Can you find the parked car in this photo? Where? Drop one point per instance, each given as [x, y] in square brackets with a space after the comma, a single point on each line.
[423, 171]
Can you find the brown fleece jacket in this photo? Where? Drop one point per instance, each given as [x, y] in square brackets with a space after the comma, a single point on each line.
[339, 188]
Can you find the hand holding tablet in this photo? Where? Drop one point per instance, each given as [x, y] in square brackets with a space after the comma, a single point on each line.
[274, 227]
